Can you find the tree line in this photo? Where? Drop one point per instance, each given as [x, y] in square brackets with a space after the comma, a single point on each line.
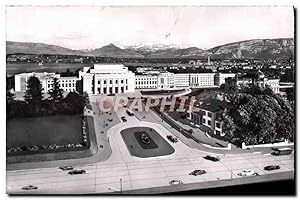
[35, 105]
[258, 116]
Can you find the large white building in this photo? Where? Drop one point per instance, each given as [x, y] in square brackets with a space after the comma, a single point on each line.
[145, 81]
[182, 80]
[165, 80]
[220, 77]
[107, 79]
[202, 79]
[68, 84]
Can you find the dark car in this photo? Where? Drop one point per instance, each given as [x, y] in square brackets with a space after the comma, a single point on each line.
[79, 171]
[30, 187]
[66, 168]
[271, 167]
[212, 158]
[197, 172]
[124, 119]
[176, 182]
[172, 139]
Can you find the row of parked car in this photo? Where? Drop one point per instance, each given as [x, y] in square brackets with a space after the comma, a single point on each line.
[197, 172]
[244, 173]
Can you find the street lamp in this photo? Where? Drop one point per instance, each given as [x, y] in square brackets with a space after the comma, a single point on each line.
[116, 190]
[120, 185]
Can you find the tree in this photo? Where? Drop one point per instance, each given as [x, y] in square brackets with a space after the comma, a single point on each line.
[262, 116]
[10, 103]
[56, 93]
[75, 103]
[34, 94]
[10, 97]
[228, 126]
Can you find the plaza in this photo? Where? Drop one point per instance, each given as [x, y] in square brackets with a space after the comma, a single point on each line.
[114, 165]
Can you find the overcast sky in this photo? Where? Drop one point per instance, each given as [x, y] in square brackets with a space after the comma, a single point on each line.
[93, 27]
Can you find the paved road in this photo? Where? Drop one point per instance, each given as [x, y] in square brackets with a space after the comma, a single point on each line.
[139, 173]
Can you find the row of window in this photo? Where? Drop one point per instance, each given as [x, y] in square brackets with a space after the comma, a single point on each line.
[218, 125]
[67, 81]
[63, 81]
[145, 82]
[109, 90]
[63, 85]
[146, 86]
[145, 79]
[111, 81]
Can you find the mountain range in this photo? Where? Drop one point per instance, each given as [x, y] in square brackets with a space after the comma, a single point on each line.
[281, 48]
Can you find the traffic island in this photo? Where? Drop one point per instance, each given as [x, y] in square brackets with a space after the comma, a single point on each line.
[145, 142]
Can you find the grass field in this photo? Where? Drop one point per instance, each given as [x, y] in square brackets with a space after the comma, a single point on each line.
[60, 129]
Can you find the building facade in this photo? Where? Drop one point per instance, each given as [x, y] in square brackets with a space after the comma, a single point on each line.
[145, 81]
[68, 84]
[165, 80]
[182, 80]
[208, 117]
[107, 79]
[202, 79]
[220, 77]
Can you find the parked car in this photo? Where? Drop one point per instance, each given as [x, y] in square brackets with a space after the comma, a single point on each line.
[66, 168]
[172, 139]
[197, 172]
[281, 151]
[78, 171]
[124, 119]
[30, 187]
[212, 158]
[248, 173]
[176, 182]
[130, 112]
[271, 167]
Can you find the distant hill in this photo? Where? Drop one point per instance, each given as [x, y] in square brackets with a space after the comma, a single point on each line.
[192, 52]
[38, 48]
[259, 48]
[113, 51]
[249, 49]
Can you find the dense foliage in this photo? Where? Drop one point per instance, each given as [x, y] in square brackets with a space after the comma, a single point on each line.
[259, 116]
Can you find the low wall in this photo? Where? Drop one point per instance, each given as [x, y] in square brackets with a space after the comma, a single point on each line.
[184, 132]
[285, 143]
[220, 148]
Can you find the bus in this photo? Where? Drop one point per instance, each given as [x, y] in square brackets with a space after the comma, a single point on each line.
[281, 151]
[130, 112]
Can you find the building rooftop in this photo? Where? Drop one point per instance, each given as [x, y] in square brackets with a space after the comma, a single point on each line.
[213, 105]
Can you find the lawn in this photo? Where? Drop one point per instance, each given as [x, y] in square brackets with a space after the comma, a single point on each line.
[60, 129]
